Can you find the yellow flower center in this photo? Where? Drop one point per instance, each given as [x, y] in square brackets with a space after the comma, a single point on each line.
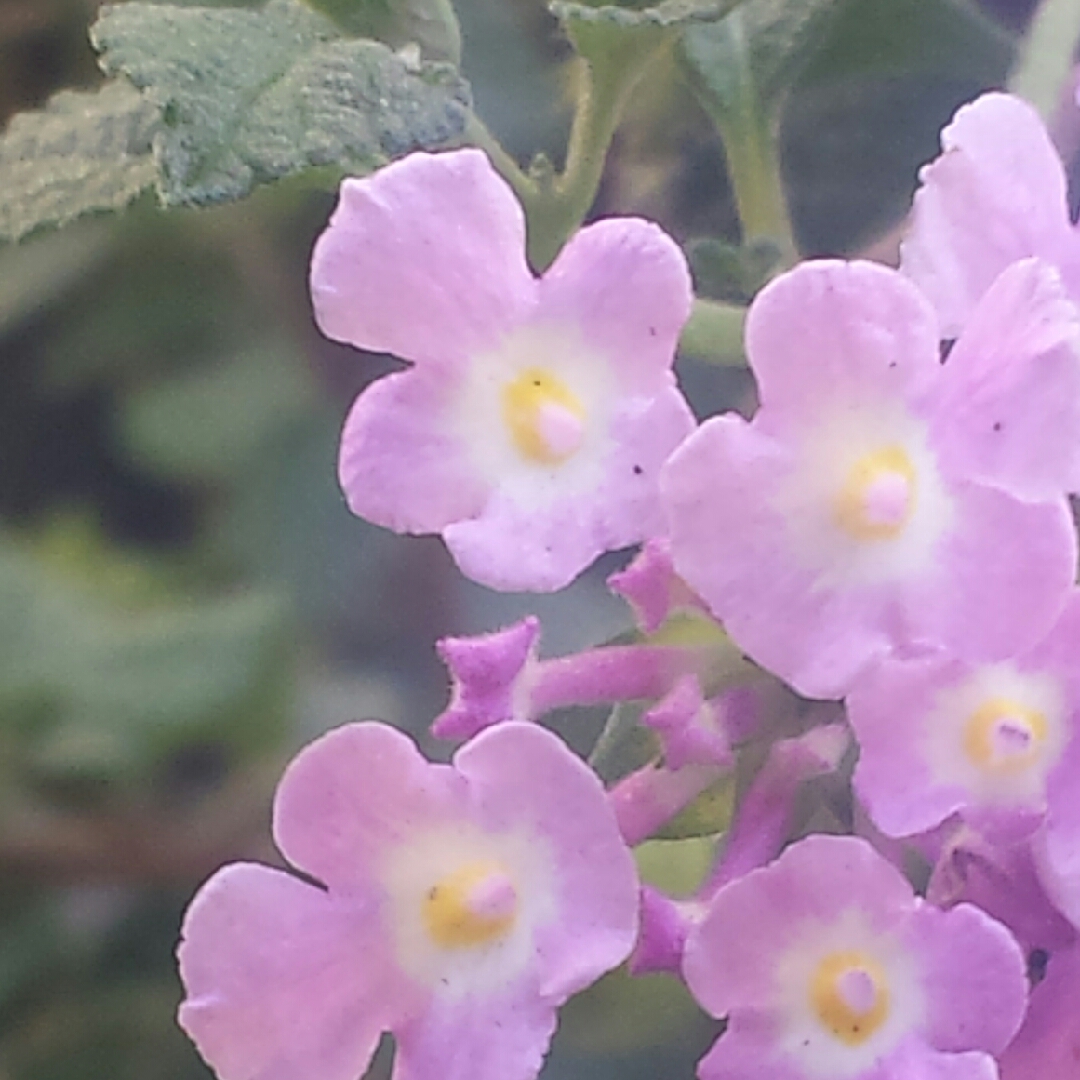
[1003, 736]
[475, 905]
[544, 416]
[850, 996]
[878, 495]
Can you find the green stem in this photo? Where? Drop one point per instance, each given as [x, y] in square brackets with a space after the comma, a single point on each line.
[751, 146]
[1047, 55]
[714, 333]
[609, 77]
[479, 135]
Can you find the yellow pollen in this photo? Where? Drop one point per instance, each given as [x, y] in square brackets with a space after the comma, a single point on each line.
[1002, 736]
[878, 495]
[475, 905]
[850, 996]
[544, 416]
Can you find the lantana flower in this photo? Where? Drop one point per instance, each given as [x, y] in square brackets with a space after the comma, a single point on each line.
[827, 967]
[997, 193]
[880, 499]
[454, 905]
[531, 427]
[939, 736]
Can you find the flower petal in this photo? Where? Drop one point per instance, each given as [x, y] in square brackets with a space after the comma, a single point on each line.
[730, 959]
[539, 535]
[733, 546]
[524, 772]
[748, 1051]
[401, 463]
[1009, 397]
[625, 284]
[283, 982]
[975, 976]
[997, 194]
[1048, 1044]
[827, 323]
[477, 1039]
[354, 793]
[425, 259]
[889, 708]
[1002, 577]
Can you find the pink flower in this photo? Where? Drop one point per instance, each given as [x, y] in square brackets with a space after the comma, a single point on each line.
[459, 906]
[939, 736]
[530, 429]
[997, 194]
[879, 499]
[827, 967]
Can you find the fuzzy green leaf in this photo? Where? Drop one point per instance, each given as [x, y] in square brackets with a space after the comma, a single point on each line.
[249, 97]
[765, 43]
[85, 151]
[665, 13]
[431, 24]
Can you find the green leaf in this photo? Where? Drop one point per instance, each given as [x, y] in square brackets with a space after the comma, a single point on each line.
[741, 68]
[761, 49]
[639, 15]
[249, 97]
[431, 24]
[85, 151]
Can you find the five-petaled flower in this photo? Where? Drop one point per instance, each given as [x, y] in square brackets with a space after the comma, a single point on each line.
[827, 967]
[459, 906]
[880, 499]
[533, 423]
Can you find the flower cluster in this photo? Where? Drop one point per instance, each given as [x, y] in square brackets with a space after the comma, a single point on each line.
[889, 533]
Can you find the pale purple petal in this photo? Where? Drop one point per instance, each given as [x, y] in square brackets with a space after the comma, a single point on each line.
[425, 259]
[916, 1061]
[625, 284]
[996, 195]
[1058, 854]
[1002, 578]
[890, 707]
[401, 465]
[523, 775]
[353, 794]
[730, 958]
[1048, 1045]
[522, 543]
[733, 547]
[748, 1051]
[283, 981]
[825, 324]
[975, 978]
[1009, 396]
[499, 1038]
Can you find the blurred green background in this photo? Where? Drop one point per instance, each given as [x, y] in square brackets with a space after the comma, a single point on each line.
[184, 598]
